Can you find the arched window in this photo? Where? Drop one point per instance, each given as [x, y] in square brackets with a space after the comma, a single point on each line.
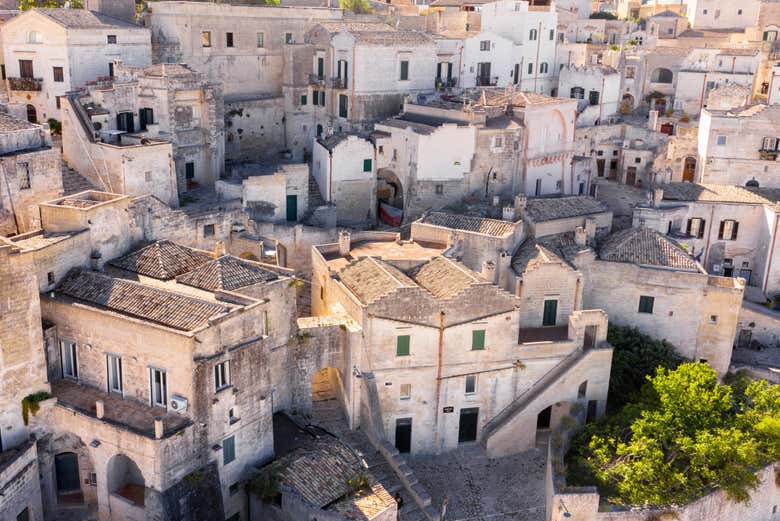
[533, 34]
[34, 37]
[543, 68]
[752, 184]
[577, 93]
[661, 75]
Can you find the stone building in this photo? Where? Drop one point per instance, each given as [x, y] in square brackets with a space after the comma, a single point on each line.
[49, 52]
[597, 89]
[475, 59]
[730, 230]
[722, 14]
[30, 173]
[739, 146]
[158, 129]
[446, 370]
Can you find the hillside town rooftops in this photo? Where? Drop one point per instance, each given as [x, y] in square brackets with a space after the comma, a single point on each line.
[169, 70]
[468, 223]
[551, 208]
[136, 300]
[84, 19]
[646, 247]
[712, 193]
[553, 249]
[162, 260]
[444, 278]
[226, 273]
[9, 123]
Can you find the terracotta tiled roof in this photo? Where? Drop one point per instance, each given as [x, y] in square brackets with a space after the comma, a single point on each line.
[136, 300]
[162, 260]
[647, 247]
[483, 225]
[84, 19]
[444, 278]
[9, 123]
[226, 273]
[720, 193]
[550, 250]
[548, 209]
[371, 278]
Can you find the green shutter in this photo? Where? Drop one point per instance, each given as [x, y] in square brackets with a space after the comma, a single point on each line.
[478, 339]
[228, 450]
[404, 70]
[550, 312]
[303, 99]
[366, 165]
[646, 304]
[402, 345]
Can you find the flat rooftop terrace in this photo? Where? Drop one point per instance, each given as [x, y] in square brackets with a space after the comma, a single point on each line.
[386, 250]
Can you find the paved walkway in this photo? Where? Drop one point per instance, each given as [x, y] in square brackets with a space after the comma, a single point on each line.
[482, 489]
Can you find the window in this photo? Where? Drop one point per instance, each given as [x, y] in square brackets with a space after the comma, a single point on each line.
[739, 11]
[646, 304]
[303, 99]
[367, 165]
[552, 34]
[538, 188]
[769, 144]
[471, 384]
[189, 170]
[498, 142]
[402, 345]
[111, 38]
[550, 313]
[58, 74]
[593, 97]
[721, 140]
[260, 40]
[533, 34]
[484, 45]
[228, 39]
[630, 73]
[478, 340]
[26, 69]
[34, 37]
[713, 319]
[404, 70]
[728, 230]
[205, 39]
[343, 105]
[233, 415]
[50, 278]
[221, 375]
[233, 489]
[320, 67]
[530, 68]
[405, 392]
[23, 175]
[637, 160]
[770, 36]
[70, 366]
[661, 75]
[24, 515]
[322, 99]
[582, 390]
[288, 38]
[159, 383]
[543, 68]
[695, 227]
[703, 11]
[228, 450]
[208, 230]
[114, 364]
[577, 93]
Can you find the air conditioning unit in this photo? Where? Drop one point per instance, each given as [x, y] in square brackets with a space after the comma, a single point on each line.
[178, 404]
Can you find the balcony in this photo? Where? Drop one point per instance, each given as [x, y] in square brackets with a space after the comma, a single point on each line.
[317, 80]
[769, 155]
[487, 81]
[446, 83]
[25, 84]
[338, 83]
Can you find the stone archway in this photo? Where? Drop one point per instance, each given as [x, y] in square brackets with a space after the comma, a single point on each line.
[32, 114]
[125, 479]
[627, 104]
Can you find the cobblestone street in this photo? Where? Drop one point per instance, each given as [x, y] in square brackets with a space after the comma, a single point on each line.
[479, 488]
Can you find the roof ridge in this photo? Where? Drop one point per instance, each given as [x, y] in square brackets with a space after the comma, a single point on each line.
[381, 267]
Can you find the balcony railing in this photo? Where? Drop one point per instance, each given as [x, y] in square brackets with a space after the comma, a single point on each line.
[315, 79]
[484, 81]
[338, 83]
[30, 84]
[769, 155]
[446, 83]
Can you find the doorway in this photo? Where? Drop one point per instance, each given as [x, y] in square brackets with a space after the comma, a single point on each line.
[631, 175]
[613, 167]
[32, 114]
[403, 435]
[483, 74]
[600, 164]
[467, 428]
[66, 468]
[543, 419]
[689, 169]
[124, 121]
[292, 208]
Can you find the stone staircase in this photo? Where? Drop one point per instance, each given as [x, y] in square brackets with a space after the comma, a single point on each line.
[315, 196]
[73, 182]
[327, 415]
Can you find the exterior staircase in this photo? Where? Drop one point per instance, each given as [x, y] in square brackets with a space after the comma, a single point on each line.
[315, 200]
[73, 182]
[327, 415]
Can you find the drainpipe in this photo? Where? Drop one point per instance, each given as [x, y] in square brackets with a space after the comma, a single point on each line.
[460, 64]
[538, 50]
[601, 100]
[352, 90]
[709, 236]
[330, 177]
[703, 89]
[438, 379]
[771, 253]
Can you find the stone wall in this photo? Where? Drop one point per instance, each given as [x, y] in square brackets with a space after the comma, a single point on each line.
[254, 128]
[44, 170]
[19, 483]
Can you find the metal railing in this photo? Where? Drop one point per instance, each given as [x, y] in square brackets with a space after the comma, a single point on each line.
[316, 79]
[25, 84]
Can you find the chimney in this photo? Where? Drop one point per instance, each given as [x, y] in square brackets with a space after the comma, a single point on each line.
[520, 202]
[94, 260]
[658, 196]
[489, 271]
[504, 267]
[590, 228]
[580, 237]
[219, 250]
[509, 214]
[100, 409]
[158, 428]
[344, 243]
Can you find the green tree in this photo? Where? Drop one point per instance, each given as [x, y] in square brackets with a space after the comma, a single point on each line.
[25, 5]
[688, 433]
[602, 15]
[356, 6]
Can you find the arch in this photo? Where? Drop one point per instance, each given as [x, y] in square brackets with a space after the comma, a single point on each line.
[533, 34]
[32, 114]
[319, 130]
[662, 75]
[577, 93]
[689, 169]
[582, 390]
[389, 190]
[753, 183]
[125, 479]
[543, 68]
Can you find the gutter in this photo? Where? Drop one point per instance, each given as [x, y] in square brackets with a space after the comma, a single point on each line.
[438, 380]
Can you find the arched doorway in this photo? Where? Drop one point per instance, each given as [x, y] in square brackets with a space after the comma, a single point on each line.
[627, 104]
[125, 479]
[390, 197]
[319, 130]
[752, 184]
[68, 481]
[32, 114]
[689, 169]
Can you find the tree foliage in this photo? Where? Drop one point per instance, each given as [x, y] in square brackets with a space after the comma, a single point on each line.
[636, 356]
[356, 6]
[25, 5]
[603, 15]
[687, 434]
